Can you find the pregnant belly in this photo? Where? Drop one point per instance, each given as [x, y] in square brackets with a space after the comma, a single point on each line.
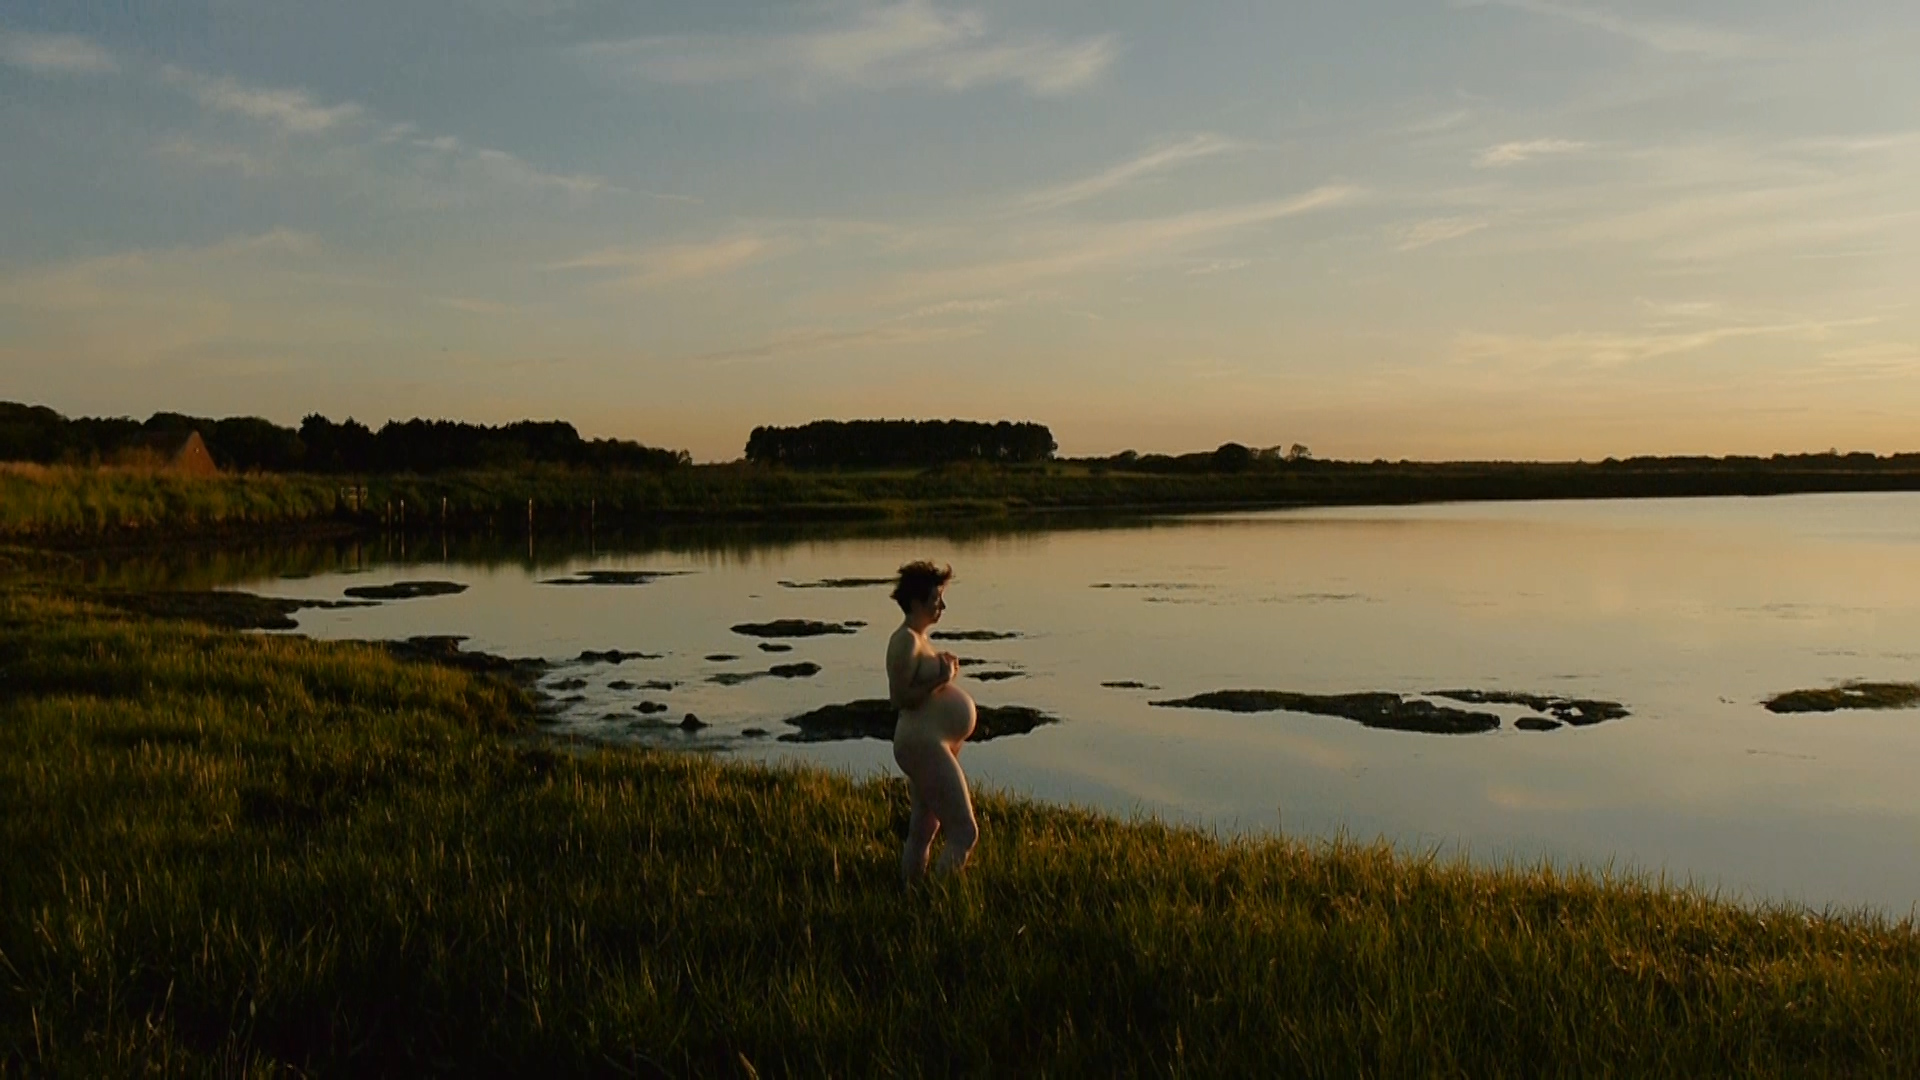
[946, 715]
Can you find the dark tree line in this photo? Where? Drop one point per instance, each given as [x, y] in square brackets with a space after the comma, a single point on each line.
[896, 443]
[38, 434]
[441, 445]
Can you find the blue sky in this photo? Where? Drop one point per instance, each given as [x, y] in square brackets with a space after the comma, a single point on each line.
[1504, 228]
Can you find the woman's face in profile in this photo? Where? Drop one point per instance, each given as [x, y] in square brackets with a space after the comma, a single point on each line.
[934, 605]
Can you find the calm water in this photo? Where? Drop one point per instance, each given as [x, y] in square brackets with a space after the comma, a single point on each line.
[1689, 612]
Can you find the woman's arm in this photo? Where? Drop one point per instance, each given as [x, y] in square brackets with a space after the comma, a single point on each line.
[906, 689]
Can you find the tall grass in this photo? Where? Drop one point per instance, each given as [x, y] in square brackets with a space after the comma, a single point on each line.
[248, 855]
[239, 854]
[69, 503]
[81, 501]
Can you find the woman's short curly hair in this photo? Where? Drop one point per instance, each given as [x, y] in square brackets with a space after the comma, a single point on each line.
[918, 582]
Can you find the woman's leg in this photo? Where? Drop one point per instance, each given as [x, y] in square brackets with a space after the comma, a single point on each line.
[953, 805]
[921, 828]
[933, 772]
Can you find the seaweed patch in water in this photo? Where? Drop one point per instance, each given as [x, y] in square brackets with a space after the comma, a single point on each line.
[1851, 695]
[615, 656]
[806, 669]
[405, 590]
[444, 649]
[794, 628]
[1375, 710]
[838, 583]
[873, 718]
[1580, 712]
[974, 635]
[614, 577]
[219, 607]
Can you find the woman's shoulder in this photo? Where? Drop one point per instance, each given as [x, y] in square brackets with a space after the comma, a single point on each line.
[903, 637]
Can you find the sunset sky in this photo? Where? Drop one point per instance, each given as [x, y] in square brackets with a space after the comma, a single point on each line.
[1388, 228]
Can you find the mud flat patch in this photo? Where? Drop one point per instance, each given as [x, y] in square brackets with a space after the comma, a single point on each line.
[775, 646]
[1128, 684]
[974, 635]
[218, 607]
[995, 676]
[1851, 695]
[789, 628]
[613, 577]
[1390, 712]
[1580, 712]
[615, 656]
[405, 590]
[839, 583]
[874, 718]
[806, 669]
[444, 649]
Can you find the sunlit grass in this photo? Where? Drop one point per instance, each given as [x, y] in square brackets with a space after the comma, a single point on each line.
[68, 503]
[239, 853]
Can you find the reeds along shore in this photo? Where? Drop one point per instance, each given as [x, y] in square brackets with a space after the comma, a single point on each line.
[91, 504]
[240, 854]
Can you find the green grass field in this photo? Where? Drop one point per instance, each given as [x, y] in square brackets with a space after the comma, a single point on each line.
[239, 854]
[75, 504]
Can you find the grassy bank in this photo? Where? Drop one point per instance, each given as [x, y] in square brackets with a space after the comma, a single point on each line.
[69, 503]
[246, 854]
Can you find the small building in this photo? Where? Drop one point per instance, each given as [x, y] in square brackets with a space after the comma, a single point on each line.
[171, 451]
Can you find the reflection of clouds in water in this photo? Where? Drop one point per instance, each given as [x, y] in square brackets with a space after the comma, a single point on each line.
[1277, 598]
[1514, 797]
[1804, 611]
[1321, 754]
[1133, 782]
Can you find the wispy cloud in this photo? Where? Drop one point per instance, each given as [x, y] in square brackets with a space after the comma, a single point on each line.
[1614, 349]
[1661, 35]
[1159, 159]
[290, 110]
[244, 162]
[1118, 245]
[1217, 266]
[1515, 153]
[141, 307]
[979, 306]
[56, 54]
[1436, 230]
[1873, 359]
[434, 169]
[474, 306]
[804, 341]
[652, 267]
[511, 169]
[908, 43]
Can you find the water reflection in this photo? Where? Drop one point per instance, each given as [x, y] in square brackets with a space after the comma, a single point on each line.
[1689, 612]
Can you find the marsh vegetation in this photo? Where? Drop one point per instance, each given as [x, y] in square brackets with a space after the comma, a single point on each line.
[251, 854]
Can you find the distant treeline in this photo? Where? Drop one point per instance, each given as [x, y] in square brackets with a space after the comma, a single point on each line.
[1236, 458]
[38, 434]
[858, 444]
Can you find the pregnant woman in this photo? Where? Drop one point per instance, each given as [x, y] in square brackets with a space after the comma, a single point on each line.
[935, 718]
